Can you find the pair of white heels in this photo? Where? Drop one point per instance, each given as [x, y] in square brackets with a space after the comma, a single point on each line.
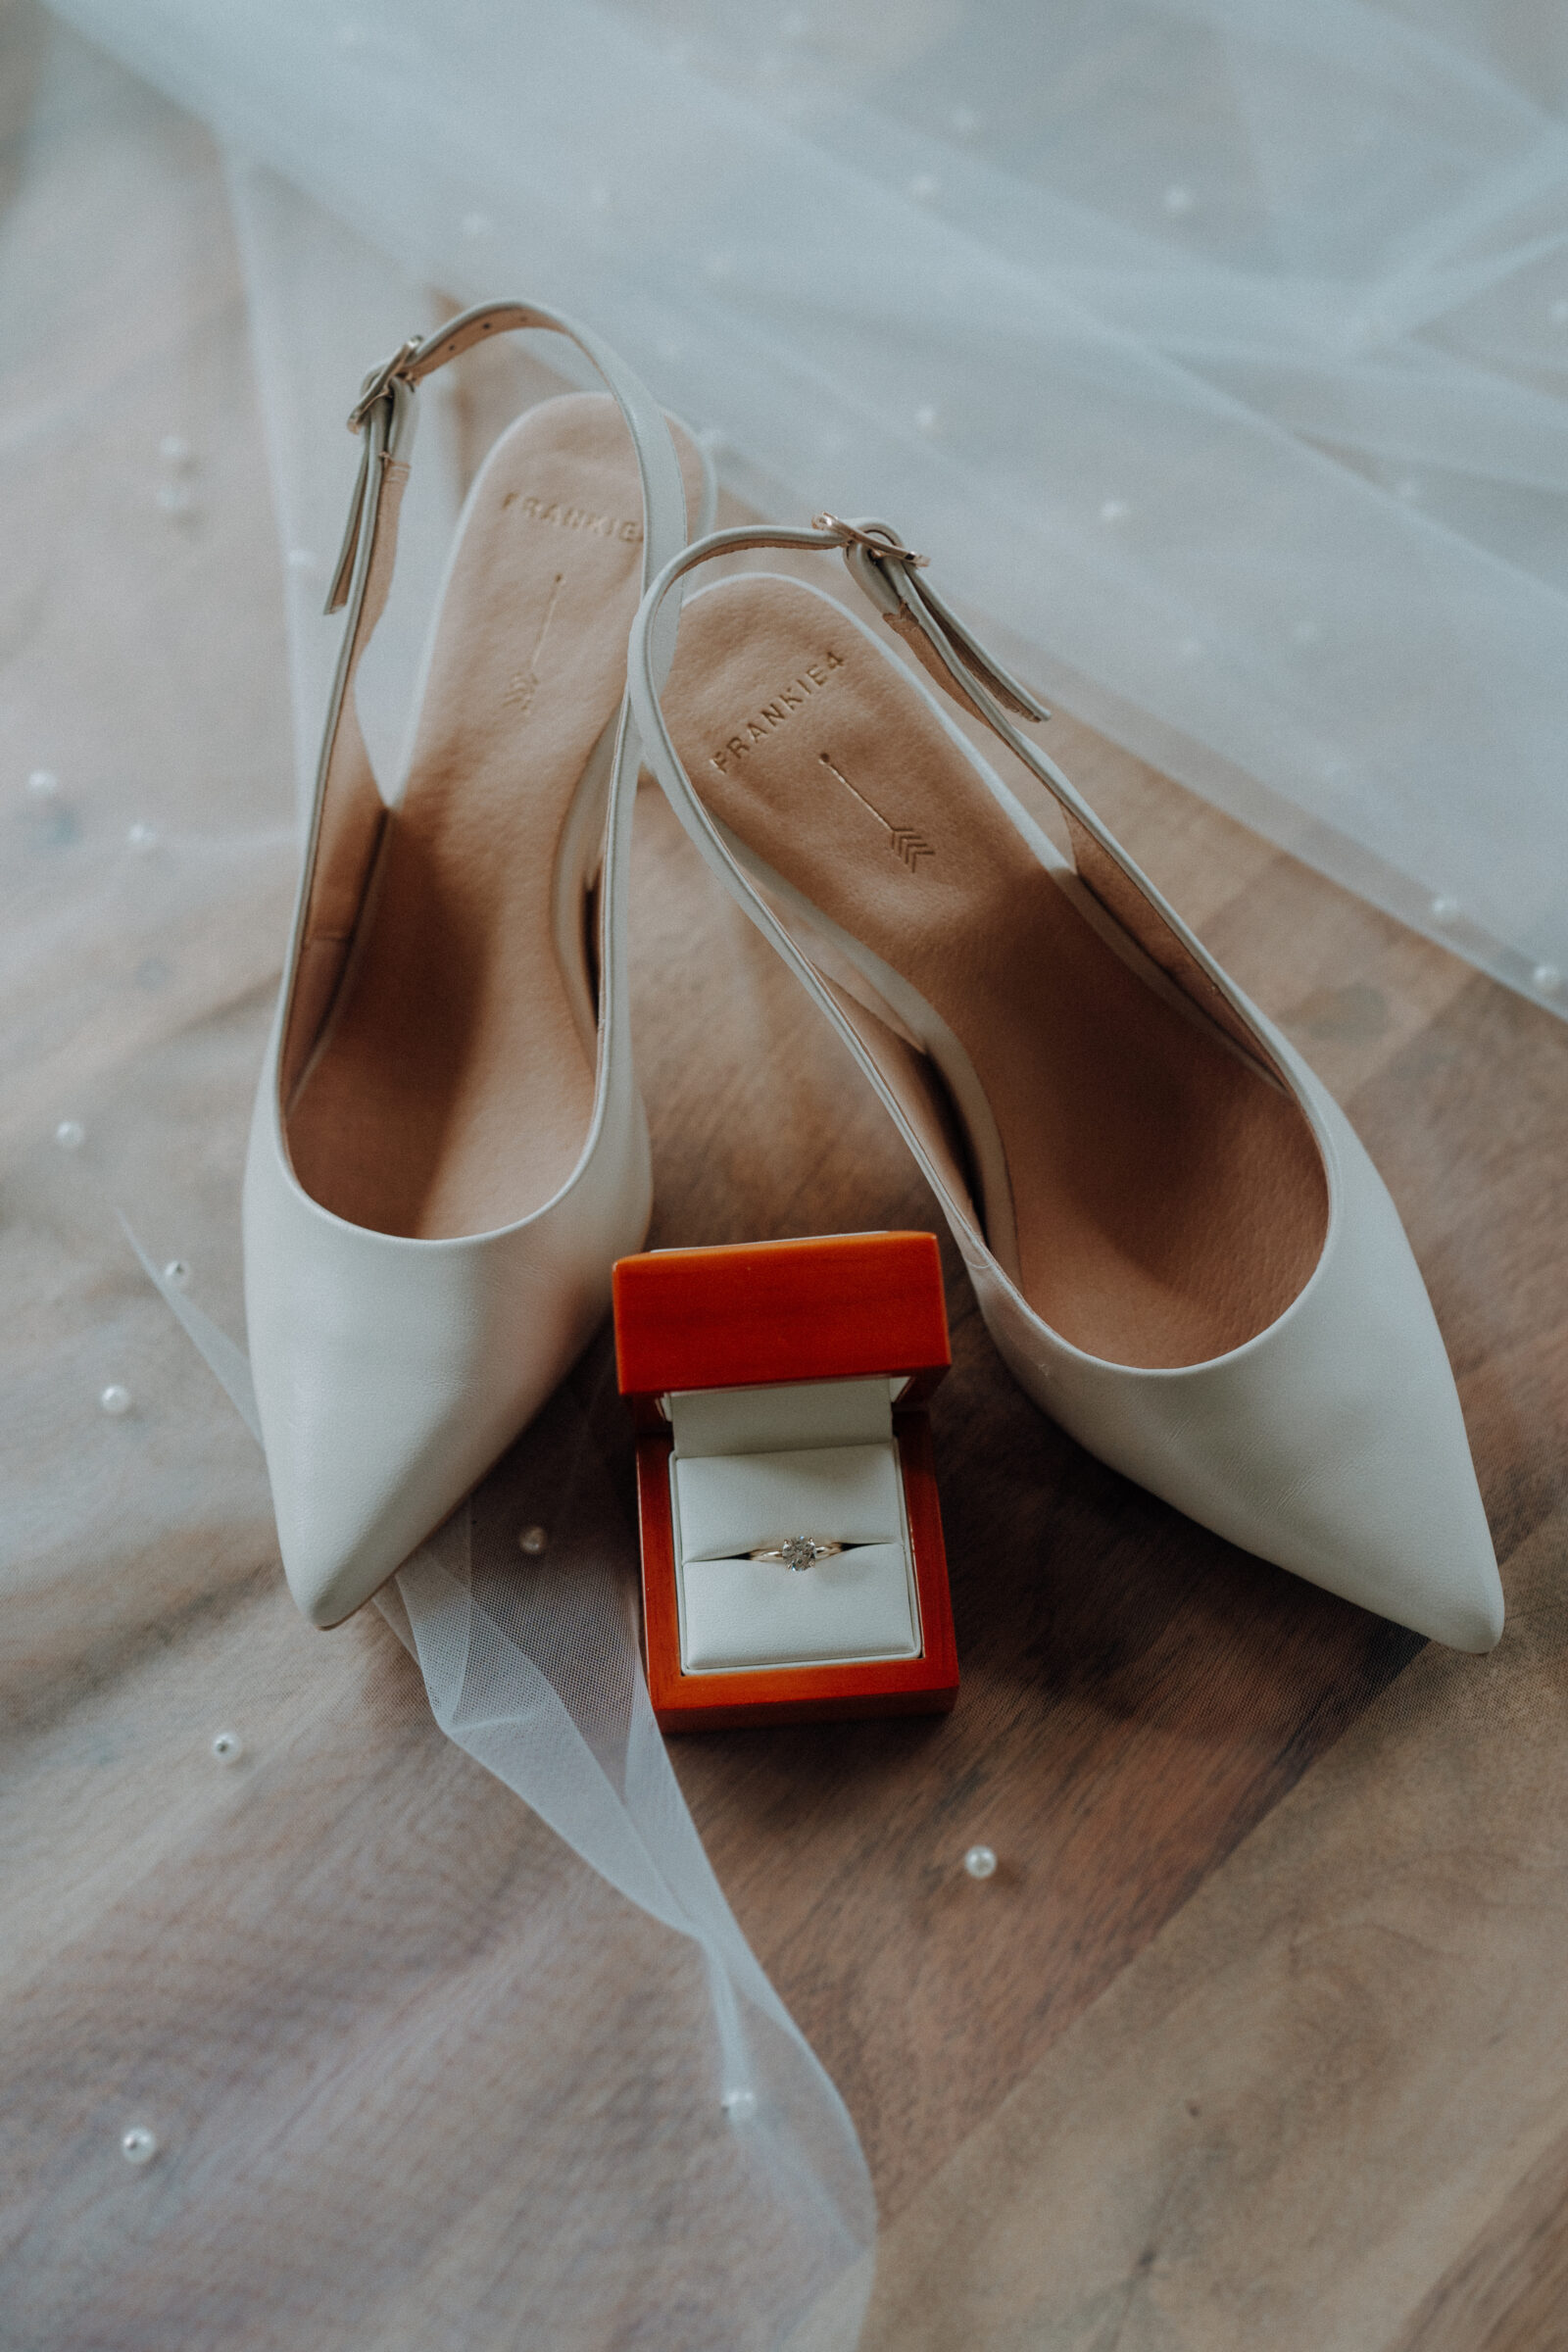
[1177, 1241]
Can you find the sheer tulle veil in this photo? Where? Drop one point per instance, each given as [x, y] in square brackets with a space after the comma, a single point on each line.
[1216, 351]
[1216, 347]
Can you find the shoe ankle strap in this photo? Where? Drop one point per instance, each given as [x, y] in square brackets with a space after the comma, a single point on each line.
[887, 572]
[383, 417]
[890, 575]
[347, 817]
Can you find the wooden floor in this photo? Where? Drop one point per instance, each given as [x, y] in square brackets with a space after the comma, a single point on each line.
[1136, 1693]
[1258, 2036]
[1138, 1696]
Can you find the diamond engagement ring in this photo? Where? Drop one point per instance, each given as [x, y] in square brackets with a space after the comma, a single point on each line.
[796, 1552]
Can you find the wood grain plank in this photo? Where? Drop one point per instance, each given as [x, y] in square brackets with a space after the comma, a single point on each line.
[1508, 2291]
[1142, 1709]
[1324, 2105]
[1136, 1693]
[1137, 1696]
[1290, 2117]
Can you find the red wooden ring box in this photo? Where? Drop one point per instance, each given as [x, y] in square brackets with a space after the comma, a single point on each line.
[763, 1315]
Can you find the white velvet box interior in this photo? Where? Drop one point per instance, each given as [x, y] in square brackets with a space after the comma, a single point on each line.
[752, 1466]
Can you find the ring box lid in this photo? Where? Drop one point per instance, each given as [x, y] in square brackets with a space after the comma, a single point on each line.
[753, 1314]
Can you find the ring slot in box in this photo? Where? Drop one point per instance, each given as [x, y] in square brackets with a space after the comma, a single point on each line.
[793, 1563]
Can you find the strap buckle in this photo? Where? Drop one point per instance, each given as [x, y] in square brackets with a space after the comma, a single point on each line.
[878, 541]
[378, 383]
[885, 570]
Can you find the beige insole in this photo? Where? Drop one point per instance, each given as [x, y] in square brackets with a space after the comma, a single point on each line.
[451, 1088]
[1170, 1201]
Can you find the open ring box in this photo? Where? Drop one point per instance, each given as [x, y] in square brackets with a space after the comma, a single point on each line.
[780, 1390]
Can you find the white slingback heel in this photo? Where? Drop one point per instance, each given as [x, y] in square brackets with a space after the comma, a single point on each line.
[449, 1149]
[1178, 1242]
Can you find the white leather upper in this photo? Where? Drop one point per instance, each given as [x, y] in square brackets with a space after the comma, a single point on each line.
[1332, 1444]
[390, 1372]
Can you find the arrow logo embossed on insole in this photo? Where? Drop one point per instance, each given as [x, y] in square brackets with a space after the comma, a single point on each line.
[523, 684]
[907, 843]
